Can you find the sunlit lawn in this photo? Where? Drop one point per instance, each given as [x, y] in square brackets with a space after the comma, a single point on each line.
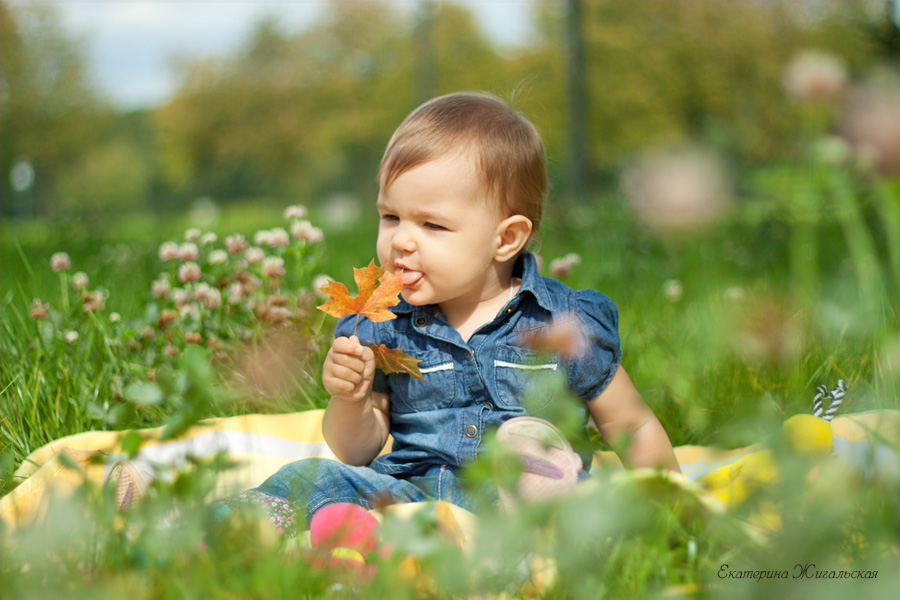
[713, 336]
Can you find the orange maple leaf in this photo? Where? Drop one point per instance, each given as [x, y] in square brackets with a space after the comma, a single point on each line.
[394, 360]
[372, 301]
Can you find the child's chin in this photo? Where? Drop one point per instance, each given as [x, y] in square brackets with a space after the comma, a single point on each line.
[414, 298]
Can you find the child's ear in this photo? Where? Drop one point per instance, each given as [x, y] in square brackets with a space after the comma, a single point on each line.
[512, 235]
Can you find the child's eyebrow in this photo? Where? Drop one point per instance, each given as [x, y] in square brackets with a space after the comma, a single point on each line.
[418, 214]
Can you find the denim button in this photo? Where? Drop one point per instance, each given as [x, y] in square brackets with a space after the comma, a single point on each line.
[421, 321]
[471, 431]
[488, 406]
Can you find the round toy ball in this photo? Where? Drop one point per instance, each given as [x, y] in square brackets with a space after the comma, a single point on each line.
[809, 435]
[344, 525]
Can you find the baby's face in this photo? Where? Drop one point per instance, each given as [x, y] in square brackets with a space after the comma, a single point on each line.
[440, 230]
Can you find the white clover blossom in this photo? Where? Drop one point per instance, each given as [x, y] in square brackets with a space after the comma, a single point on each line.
[273, 266]
[235, 243]
[318, 282]
[235, 293]
[114, 317]
[562, 267]
[278, 237]
[168, 251]
[313, 235]
[254, 255]
[673, 290]
[192, 234]
[261, 237]
[160, 288]
[814, 76]
[39, 309]
[218, 257]
[60, 261]
[209, 238]
[80, 280]
[188, 251]
[189, 271]
[71, 336]
[296, 211]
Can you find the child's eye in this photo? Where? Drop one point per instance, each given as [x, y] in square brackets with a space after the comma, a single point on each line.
[389, 218]
[435, 227]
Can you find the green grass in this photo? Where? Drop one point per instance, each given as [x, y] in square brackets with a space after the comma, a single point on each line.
[724, 362]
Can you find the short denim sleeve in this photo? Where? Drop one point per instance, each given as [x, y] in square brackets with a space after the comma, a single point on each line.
[591, 373]
[365, 331]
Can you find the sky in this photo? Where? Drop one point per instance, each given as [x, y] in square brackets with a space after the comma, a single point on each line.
[129, 43]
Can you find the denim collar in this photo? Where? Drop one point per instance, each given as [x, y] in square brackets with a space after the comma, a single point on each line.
[525, 268]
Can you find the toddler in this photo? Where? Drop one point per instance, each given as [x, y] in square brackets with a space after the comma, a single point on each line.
[462, 183]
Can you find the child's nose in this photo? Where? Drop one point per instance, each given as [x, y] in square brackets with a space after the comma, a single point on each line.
[403, 240]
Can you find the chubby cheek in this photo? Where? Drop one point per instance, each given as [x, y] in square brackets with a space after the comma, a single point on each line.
[383, 250]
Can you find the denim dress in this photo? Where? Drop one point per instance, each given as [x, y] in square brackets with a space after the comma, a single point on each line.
[469, 388]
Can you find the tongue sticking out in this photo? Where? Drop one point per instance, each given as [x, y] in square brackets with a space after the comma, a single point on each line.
[411, 277]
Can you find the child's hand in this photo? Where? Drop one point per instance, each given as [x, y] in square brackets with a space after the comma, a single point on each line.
[349, 369]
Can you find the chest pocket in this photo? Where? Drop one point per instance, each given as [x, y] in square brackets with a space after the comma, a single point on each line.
[438, 390]
[522, 378]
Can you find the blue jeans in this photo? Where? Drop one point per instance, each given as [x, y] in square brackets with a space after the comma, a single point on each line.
[311, 483]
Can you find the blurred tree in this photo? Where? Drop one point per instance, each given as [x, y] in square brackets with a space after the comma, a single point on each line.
[50, 112]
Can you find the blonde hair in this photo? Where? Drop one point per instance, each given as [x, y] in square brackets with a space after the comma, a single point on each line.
[509, 153]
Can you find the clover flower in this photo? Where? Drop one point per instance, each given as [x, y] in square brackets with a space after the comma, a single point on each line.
[235, 293]
[71, 336]
[296, 211]
[871, 125]
[160, 289]
[60, 261]
[180, 297]
[192, 234]
[318, 282]
[192, 337]
[188, 251]
[313, 235]
[38, 309]
[170, 350]
[189, 271]
[562, 267]
[165, 317]
[168, 251]
[815, 76]
[208, 296]
[262, 237]
[273, 266]
[92, 301]
[672, 290]
[278, 237]
[209, 238]
[254, 255]
[235, 243]
[677, 191]
[218, 257]
[80, 280]
[114, 317]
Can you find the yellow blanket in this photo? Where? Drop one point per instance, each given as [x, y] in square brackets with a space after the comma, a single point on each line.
[261, 444]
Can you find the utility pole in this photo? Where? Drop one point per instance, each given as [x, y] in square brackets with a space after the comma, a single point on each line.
[425, 67]
[578, 139]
